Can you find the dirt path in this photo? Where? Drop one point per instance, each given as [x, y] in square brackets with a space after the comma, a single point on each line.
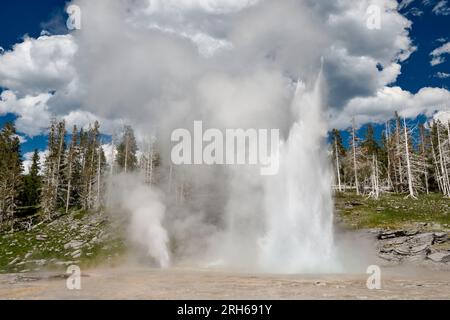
[184, 283]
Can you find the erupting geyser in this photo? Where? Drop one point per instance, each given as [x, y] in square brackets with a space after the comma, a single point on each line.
[298, 201]
[284, 223]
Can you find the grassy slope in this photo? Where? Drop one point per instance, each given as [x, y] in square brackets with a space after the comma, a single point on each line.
[100, 244]
[393, 211]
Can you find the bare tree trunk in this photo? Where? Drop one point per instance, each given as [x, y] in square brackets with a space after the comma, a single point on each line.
[113, 146]
[69, 185]
[354, 157]
[337, 166]
[91, 176]
[408, 164]
[388, 157]
[424, 160]
[397, 136]
[375, 181]
[126, 154]
[436, 169]
[98, 177]
[170, 178]
[443, 168]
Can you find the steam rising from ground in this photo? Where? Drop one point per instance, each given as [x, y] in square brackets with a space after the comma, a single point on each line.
[145, 212]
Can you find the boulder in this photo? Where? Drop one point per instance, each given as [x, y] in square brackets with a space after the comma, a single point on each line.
[439, 257]
[76, 254]
[400, 245]
[408, 250]
[41, 237]
[423, 238]
[393, 241]
[440, 237]
[387, 234]
[74, 244]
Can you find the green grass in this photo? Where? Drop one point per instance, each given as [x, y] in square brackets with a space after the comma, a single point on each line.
[75, 226]
[392, 211]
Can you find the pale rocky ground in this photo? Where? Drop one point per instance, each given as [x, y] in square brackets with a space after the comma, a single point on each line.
[185, 283]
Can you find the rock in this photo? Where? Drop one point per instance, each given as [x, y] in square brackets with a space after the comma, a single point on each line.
[41, 237]
[76, 254]
[24, 271]
[394, 241]
[411, 232]
[423, 238]
[439, 257]
[387, 234]
[389, 256]
[405, 245]
[63, 263]
[421, 224]
[74, 244]
[436, 226]
[320, 284]
[14, 261]
[40, 262]
[440, 237]
[408, 250]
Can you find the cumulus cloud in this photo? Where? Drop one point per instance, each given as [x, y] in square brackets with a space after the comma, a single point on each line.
[381, 107]
[32, 111]
[443, 116]
[38, 65]
[437, 54]
[82, 119]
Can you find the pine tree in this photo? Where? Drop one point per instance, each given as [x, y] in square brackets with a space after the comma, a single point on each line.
[126, 151]
[53, 195]
[32, 182]
[10, 173]
[72, 170]
[369, 143]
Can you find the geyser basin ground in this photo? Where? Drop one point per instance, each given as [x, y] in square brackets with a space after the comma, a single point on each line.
[186, 283]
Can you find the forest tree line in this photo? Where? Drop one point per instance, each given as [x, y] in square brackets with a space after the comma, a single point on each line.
[409, 159]
[70, 176]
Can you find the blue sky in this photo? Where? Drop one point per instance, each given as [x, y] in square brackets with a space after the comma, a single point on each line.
[28, 17]
[429, 31]
[426, 30]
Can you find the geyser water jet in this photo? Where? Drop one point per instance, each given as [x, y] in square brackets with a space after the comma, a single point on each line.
[298, 201]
